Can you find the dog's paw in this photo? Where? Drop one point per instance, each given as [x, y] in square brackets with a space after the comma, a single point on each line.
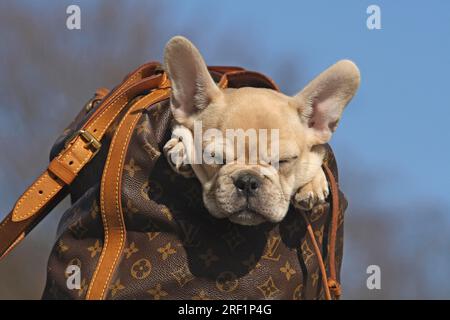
[176, 156]
[313, 193]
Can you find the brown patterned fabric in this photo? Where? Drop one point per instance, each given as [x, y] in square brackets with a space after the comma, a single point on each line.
[175, 249]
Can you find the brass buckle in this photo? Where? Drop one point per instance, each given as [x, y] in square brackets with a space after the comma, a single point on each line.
[90, 140]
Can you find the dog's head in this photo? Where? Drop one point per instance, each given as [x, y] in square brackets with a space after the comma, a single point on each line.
[244, 191]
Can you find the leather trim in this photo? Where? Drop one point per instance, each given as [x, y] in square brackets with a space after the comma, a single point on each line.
[36, 196]
[11, 233]
[333, 284]
[110, 196]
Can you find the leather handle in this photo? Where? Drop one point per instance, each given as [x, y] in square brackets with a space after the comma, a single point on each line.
[245, 78]
[224, 69]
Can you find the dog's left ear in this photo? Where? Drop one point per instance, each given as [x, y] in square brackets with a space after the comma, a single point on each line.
[323, 100]
[193, 89]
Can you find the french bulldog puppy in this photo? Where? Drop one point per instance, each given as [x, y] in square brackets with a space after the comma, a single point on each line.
[251, 193]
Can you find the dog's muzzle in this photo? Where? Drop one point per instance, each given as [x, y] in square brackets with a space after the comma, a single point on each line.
[248, 187]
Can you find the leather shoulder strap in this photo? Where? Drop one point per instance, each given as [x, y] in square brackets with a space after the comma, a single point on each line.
[51, 186]
[111, 196]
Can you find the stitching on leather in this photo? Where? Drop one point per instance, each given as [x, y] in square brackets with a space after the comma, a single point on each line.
[63, 158]
[27, 194]
[86, 159]
[118, 198]
[2, 225]
[124, 86]
[121, 94]
[118, 195]
[5, 222]
[105, 221]
[60, 170]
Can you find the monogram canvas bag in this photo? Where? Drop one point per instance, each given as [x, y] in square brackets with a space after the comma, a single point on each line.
[137, 230]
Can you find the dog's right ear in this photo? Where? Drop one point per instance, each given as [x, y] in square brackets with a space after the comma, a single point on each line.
[193, 88]
[323, 100]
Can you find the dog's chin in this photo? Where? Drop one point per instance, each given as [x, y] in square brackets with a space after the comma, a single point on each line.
[247, 218]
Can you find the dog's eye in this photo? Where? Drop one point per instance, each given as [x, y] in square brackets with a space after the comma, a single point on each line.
[286, 160]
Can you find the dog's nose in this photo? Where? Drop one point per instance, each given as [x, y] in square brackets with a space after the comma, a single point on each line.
[247, 183]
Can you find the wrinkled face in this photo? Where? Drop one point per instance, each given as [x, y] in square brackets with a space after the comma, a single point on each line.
[246, 186]
[250, 190]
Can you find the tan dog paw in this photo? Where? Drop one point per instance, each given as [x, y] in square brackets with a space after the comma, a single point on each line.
[313, 193]
[176, 156]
